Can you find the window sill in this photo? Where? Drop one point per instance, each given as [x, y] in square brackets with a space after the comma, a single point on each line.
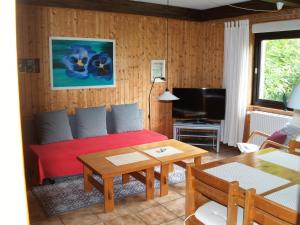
[269, 110]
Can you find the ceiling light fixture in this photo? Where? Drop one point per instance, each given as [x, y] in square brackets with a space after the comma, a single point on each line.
[167, 95]
[279, 5]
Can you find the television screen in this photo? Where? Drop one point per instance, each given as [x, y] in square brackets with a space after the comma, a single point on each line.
[199, 103]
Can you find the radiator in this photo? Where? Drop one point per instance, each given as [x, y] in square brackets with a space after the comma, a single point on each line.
[266, 122]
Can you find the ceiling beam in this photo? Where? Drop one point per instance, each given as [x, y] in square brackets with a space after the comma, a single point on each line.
[228, 11]
[149, 9]
[122, 6]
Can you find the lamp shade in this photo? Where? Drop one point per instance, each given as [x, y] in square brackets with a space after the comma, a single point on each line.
[294, 99]
[167, 96]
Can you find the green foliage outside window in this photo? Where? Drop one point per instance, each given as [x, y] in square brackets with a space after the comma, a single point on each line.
[281, 69]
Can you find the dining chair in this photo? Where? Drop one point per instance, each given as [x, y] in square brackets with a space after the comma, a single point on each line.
[211, 200]
[266, 212]
[293, 145]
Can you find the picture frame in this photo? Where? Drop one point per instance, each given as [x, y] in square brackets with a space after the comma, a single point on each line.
[79, 63]
[158, 69]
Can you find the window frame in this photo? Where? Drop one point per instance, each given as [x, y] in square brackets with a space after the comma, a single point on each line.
[259, 37]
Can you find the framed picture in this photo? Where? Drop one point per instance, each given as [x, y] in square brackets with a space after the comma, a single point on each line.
[82, 63]
[158, 70]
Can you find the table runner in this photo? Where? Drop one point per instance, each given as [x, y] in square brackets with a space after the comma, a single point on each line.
[283, 159]
[288, 197]
[248, 177]
[123, 159]
[162, 151]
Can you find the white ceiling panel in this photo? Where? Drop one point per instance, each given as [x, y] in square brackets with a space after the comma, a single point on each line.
[194, 4]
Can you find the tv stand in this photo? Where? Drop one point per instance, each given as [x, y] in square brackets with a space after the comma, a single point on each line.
[199, 122]
[198, 133]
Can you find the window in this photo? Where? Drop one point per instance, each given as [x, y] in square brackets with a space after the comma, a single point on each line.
[276, 67]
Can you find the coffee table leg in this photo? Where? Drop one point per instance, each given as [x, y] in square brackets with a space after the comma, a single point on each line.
[125, 178]
[150, 183]
[197, 161]
[87, 186]
[108, 194]
[164, 173]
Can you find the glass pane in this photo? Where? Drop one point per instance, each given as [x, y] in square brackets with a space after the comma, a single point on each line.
[279, 69]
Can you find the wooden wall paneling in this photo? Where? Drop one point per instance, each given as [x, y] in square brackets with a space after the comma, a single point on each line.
[193, 53]
[44, 92]
[141, 70]
[26, 97]
[218, 48]
[211, 58]
[62, 23]
[110, 29]
[126, 35]
[205, 58]
[195, 57]
[75, 98]
[21, 77]
[119, 55]
[154, 42]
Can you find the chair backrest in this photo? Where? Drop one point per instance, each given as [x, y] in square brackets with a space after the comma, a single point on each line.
[293, 145]
[266, 212]
[206, 187]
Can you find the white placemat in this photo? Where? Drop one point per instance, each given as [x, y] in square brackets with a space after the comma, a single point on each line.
[123, 159]
[289, 197]
[248, 177]
[162, 151]
[283, 159]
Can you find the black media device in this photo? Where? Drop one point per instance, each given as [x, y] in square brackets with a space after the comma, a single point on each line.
[199, 104]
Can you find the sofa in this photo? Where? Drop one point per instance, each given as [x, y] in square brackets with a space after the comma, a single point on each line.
[59, 157]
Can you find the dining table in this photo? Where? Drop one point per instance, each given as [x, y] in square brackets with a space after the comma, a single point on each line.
[274, 173]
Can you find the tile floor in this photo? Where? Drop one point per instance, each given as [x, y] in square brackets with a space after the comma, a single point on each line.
[134, 210]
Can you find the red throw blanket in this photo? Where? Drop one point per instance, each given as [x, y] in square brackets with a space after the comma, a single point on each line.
[59, 159]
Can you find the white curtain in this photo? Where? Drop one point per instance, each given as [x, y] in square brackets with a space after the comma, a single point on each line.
[236, 69]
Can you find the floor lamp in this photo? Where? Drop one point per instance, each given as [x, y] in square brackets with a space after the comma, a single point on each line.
[166, 96]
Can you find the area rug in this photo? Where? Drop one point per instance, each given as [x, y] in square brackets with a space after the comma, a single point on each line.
[67, 193]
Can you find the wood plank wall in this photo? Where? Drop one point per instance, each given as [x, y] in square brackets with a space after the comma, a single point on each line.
[195, 53]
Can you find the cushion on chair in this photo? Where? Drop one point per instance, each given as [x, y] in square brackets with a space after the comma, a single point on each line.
[213, 213]
[247, 147]
[54, 127]
[277, 137]
[91, 122]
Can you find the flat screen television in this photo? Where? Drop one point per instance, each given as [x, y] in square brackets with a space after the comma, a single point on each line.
[199, 103]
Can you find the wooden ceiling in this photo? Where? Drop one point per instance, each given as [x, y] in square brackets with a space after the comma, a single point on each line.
[149, 9]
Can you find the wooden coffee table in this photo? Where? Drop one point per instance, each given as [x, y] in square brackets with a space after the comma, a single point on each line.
[188, 151]
[98, 164]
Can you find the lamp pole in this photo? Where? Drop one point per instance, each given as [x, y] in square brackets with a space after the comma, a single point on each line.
[149, 100]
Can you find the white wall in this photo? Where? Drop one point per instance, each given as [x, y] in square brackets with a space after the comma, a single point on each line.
[12, 188]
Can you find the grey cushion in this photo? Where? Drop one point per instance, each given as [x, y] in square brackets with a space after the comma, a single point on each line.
[109, 123]
[54, 127]
[126, 118]
[91, 122]
[72, 121]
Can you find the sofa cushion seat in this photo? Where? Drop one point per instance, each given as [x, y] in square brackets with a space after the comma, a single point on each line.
[59, 159]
